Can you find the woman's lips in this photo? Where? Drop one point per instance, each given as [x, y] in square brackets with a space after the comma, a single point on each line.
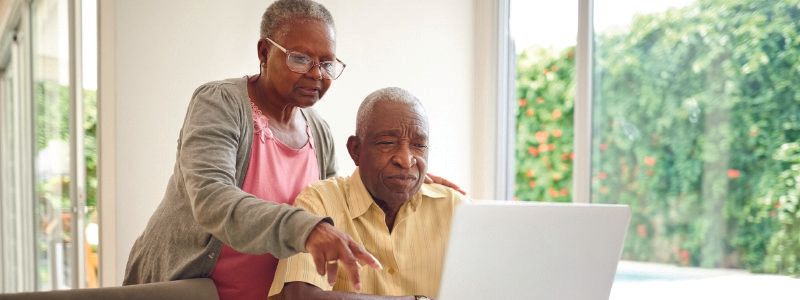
[308, 91]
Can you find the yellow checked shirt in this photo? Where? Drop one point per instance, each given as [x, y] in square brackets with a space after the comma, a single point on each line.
[412, 254]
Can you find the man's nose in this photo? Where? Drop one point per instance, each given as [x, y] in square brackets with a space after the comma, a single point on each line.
[403, 158]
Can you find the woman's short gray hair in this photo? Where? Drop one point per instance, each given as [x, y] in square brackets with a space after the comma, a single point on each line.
[390, 95]
[282, 11]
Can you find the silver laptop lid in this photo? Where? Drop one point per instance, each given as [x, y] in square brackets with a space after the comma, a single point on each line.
[520, 250]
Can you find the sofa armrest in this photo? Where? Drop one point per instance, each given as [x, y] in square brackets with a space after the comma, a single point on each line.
[199, 288]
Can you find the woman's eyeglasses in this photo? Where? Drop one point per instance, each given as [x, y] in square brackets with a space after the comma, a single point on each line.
[302, 63]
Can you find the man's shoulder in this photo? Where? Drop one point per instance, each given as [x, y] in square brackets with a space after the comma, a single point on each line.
[441, 193]
[333, 185]
[332, 190]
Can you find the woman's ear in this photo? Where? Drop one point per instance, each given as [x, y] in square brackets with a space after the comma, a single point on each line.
[353, 147]
[262, 49]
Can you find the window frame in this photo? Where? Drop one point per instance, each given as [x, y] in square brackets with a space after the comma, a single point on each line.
[506, 110]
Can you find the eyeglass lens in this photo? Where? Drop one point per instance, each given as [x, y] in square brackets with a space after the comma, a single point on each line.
[302, 63]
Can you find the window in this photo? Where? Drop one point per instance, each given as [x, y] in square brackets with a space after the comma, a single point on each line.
[48, 124]
[695, 125]
[544, 35]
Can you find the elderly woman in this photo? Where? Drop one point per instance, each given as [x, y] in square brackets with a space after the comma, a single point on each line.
[246, 149]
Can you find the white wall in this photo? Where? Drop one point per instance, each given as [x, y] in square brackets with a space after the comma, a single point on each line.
[153, 54]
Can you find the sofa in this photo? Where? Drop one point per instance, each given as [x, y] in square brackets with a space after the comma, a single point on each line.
[199, 289]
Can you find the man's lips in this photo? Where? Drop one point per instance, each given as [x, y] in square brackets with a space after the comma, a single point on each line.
[401, 180]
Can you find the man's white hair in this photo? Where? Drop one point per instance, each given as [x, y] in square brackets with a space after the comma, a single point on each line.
[282, 11]
[389, 95]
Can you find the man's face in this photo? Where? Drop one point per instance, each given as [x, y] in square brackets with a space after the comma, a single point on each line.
[392, 154]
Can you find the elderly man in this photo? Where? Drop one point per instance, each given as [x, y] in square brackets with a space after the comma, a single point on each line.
[384, 205]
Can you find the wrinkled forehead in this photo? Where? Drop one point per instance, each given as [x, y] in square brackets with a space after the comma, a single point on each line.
[398, 116]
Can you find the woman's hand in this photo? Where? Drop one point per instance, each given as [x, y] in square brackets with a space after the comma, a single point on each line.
[329, 246]
[430, 178]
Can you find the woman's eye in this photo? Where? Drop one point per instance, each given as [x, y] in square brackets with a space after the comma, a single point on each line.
[329, 67]
[300, 59]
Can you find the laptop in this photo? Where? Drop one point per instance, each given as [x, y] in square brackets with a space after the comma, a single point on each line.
[521, 250]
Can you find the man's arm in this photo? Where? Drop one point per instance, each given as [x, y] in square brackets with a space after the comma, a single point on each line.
[302, 290]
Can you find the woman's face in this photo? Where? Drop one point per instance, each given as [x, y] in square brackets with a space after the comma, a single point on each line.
[311, 37]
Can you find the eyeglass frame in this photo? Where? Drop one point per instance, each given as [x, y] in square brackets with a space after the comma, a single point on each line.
[313, 64]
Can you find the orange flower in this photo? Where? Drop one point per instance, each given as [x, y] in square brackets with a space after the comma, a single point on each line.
[572, 155]
[553, 192]
[649, 160]
[541, 136]
[557, 133]
[532, 184]
[602, 175]
[530, 173]
[564, 192]
[603, 147]
[529, 112]
[551, 147]
[641, 230]
[684, 256]
[557, 176]
[533, 151]
[543, 148]
[523, 102]
[733, 173]
[540, 100]
[565, 156]
[545, 71]
[556, 114]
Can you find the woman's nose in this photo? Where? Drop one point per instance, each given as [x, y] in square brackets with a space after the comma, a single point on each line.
[315, 72]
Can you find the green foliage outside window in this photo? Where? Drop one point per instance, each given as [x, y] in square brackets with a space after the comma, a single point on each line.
[52, 113]
[696, 126]
[544, 149]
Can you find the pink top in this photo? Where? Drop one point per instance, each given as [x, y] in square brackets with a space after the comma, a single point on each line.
[278, 173]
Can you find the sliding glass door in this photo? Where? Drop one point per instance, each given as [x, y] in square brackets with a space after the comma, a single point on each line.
[17, 251]
[47, 124]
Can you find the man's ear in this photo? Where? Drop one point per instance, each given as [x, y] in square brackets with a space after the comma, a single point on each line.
[353, 147]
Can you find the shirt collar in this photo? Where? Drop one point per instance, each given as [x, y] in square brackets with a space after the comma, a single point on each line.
[359, 200]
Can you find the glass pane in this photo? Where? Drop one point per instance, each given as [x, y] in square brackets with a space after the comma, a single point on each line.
[89, 59]
[52, 154]
[544, 35]
[10, 163]
[696, 127]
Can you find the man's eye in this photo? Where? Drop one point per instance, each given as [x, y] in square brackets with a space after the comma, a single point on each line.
[421, 146]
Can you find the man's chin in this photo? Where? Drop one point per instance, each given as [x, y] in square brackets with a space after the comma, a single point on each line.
[397, 196]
